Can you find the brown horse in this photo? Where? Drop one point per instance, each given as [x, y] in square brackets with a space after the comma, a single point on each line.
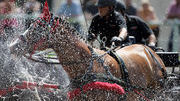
[144, 66]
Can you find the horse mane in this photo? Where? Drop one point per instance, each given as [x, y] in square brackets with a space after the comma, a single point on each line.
[69, 28]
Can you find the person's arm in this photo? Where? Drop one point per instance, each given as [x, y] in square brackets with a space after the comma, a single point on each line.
[123, 28]
[117, 40]
[147, 32]
[151, 40]
[173, 16]
[123, 33]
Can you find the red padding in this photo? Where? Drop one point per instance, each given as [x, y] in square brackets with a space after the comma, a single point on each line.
[28, 85]
[3, 92]
[97, 85]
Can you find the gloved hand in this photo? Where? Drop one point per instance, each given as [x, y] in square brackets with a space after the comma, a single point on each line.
[152, 47]
[90, 37]
[117, 40]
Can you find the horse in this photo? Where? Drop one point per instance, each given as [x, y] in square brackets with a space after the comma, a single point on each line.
[145, 68]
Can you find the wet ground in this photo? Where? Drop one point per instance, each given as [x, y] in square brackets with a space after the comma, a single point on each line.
[172, 92]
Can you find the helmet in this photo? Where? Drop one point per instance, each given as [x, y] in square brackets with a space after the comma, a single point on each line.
[103, 3]
[120, 7]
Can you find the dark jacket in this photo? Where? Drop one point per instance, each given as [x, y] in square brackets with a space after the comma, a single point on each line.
[138, 28]
[107, 27]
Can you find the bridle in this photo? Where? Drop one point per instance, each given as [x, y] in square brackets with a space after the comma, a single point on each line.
[51, 26]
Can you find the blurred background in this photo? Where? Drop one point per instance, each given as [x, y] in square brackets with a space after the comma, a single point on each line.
[18, 14]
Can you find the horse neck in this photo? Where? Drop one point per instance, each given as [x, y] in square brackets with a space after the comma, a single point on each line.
[70, 49]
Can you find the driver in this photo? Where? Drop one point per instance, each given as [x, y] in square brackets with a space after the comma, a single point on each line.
[108, 25]
[138, 28]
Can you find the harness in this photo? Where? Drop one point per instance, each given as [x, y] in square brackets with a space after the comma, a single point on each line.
[90, 81]
[124, 71]
[162, 82]
[84, 82]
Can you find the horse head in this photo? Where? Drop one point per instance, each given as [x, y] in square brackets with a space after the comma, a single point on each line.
[36, 37]
[45, 33]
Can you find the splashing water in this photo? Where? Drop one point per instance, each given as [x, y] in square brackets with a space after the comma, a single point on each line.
[13, 70]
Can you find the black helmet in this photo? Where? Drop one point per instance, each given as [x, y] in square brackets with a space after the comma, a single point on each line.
[103, 3]
[120, 7]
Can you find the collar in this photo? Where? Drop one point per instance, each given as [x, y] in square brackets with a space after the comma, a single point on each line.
[109, 15]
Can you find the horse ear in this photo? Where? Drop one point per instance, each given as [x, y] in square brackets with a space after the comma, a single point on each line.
[46, 13]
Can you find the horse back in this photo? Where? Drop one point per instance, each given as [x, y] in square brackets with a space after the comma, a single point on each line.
[141, 65]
